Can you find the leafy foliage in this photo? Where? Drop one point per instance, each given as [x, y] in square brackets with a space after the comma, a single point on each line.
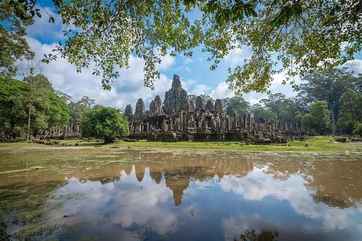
[13, 111]
[340, 89]
[46, 108]
[104, 122]
[260, 112]
[351, 112]
[330, 87]
[295, 36]
[358, 129]
[77, 109]
[284, 109]
[30, 106]
[301, 34]
[14, 17]
[317, 121]
[236, 105]
[58, 111]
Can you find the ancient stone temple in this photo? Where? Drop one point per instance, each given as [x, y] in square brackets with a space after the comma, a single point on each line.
[180, 118]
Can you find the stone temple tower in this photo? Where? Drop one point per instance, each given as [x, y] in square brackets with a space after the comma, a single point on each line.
[175, 98]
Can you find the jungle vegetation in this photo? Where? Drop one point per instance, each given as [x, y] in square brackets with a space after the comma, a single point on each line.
[31, 106]
[311, 39]
[326, 103]
[105, 123]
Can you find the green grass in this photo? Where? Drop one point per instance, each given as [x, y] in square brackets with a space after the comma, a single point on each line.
[325, 144]
[320, 144]
[315, 144]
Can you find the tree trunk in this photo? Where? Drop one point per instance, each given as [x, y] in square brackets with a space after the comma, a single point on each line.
[29, 119]
[333, 124]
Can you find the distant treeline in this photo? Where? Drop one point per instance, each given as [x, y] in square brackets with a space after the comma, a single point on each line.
[31, 108]
[326, 103]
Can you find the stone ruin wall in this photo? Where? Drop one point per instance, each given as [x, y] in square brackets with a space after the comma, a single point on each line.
[179, 117]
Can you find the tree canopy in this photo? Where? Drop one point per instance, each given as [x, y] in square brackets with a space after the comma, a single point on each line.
[13, 111]
[284, 109]
[350, 116]
[260, 112]
[30, 106]
[106, 123]
[236, 105]
[341, 90]
[297, 37]
[14, 17]
[317, 121]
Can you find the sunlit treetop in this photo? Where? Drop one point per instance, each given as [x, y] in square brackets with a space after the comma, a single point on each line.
[294, 36]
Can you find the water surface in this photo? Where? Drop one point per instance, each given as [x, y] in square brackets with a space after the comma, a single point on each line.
[163, 196]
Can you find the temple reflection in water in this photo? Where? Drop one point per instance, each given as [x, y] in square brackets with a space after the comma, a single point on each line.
[223, 196]
[178, 180]
[231, 200]
[337, 187]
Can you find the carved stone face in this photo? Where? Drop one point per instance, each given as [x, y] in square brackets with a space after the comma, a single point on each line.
[199, 104]
[218, 106]
[158, 100]
[152, 107]
[190, 106]
[176, 83]
[128, 111]
[140, 108]
[209, 106]
[175, 98]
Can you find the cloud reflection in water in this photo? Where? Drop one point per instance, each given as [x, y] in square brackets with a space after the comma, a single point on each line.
[188, 204]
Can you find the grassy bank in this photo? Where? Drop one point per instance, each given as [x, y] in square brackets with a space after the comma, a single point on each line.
[47, 167]
[315, 144]
[323, 144]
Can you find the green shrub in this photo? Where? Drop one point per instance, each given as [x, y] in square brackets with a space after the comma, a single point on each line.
[357, 130]
[105, 123]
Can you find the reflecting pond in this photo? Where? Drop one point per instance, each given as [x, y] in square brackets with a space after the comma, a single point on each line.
[173, 196]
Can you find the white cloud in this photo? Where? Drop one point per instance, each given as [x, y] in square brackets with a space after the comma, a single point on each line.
[129, 86]
[125, 90]
[132, 203]
[254, 97]
[237, 56]
[188, 60]
[167, 62]
[199, 89]
[257, 185]
[222, 91]
[277, 86]
[354, 65]
[193, 87]
[53, 30]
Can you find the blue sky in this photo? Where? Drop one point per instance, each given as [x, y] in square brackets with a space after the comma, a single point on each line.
[195, 74]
